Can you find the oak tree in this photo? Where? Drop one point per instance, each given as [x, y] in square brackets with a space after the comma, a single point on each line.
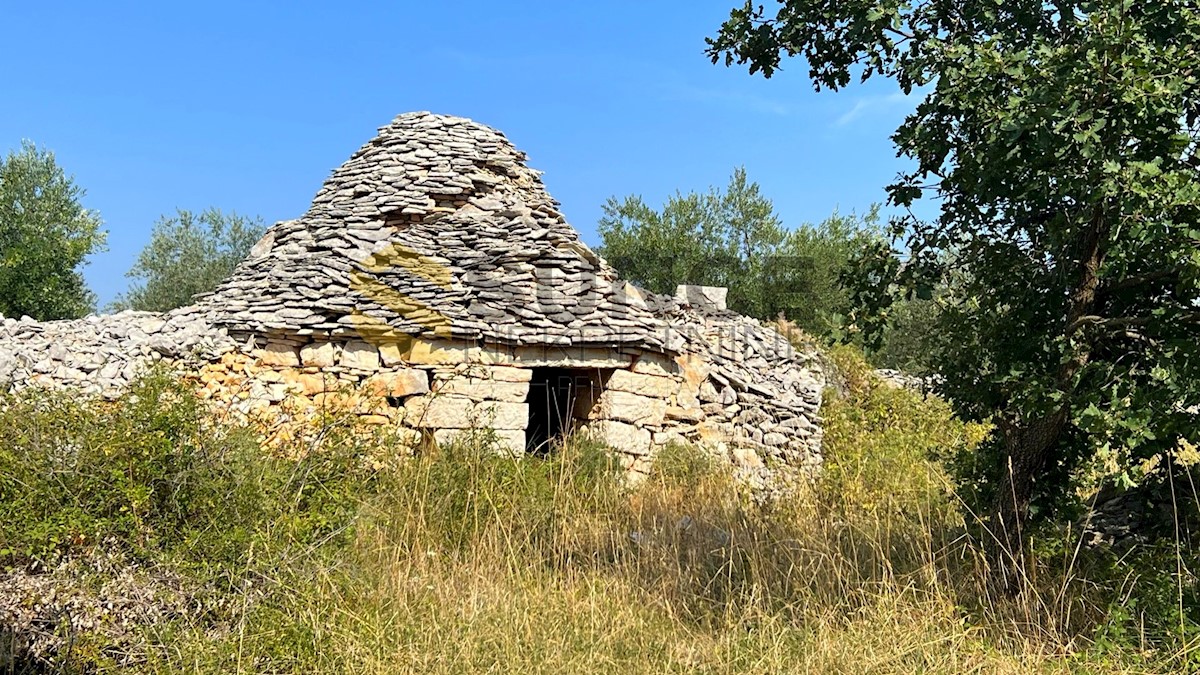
[1060, 140]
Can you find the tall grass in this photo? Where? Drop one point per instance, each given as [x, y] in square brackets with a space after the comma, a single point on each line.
[462, 560]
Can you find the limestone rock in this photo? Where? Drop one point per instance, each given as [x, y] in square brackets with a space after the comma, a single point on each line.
[480, 390]
[441, 412]
[398, 383]
[624, 438]
[626, 407]
[702, 297]
[643, 385]
[745, 457]
[319, 354]
[502, 414]
[359, 355]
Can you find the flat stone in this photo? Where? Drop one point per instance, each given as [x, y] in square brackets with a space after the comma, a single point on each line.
[398, 383]
[704, 297]
[359, 354]
[746, 457]
[655, 364]
[684, 414]
[392, 354]
[319, 354]
[440, 412]
[624, 438]
[501, 415]
[500, 373]
[643, 385]
[626, 407]
[278, 354]
[665, 438]
[481, 390]
[775, 439]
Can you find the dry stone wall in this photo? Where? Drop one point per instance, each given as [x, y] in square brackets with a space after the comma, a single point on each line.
[103, 354]
[738, 389]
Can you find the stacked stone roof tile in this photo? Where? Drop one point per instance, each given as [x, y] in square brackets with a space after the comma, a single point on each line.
[435, 227]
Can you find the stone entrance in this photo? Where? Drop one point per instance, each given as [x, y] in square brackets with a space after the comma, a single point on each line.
[560, 398]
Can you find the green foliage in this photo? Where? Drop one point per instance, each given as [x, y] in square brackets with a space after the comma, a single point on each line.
[188, 254]
[45, 238]
[887, 448]
[684, 465]
[908, 341]
[1159, 606]
[152, 475]
[893, 452]
[75, 476]
[1061, 141]
[732, 238]
[470, 487]
[815, 260]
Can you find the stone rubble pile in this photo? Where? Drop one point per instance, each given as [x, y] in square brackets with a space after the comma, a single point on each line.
[1157, 509]
[103, 354]
[901, 380]
[759, 392]
[46, 614]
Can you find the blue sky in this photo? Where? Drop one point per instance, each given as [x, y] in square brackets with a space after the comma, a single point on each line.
[249, 106]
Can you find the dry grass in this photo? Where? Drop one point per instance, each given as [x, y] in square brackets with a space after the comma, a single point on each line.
[470, 563]
[465, 561]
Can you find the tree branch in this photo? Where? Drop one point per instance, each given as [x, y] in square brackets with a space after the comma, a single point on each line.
[1139, 280]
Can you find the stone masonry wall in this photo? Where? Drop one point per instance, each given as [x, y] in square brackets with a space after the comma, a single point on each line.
[432, 390]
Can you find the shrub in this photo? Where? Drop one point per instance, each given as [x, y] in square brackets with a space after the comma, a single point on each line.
[462, 559]
[143, 473]
[887, 448]
[155, 474]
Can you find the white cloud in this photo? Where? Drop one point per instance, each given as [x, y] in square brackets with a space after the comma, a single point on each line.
[868, 105]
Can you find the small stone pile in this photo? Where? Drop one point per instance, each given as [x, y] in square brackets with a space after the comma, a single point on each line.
[46, 614]
[1162, 508]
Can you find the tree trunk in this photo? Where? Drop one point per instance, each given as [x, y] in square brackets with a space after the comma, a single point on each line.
[1028, 446]
[1030, 443]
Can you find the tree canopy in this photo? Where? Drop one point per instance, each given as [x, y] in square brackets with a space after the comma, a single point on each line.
[188, 254]
[1060, 140]
[45, 238]
[733, 238]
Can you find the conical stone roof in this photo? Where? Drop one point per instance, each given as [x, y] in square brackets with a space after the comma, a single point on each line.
[435, 228]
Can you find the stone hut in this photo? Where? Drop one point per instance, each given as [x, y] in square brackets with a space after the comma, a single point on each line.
[435, 276]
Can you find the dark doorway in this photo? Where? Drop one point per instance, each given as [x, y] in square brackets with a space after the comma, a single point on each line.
[557, 398]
